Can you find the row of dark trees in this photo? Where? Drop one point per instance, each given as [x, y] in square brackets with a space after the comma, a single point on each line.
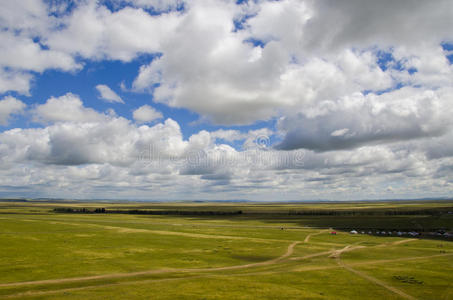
[432, 212]
[145, 212]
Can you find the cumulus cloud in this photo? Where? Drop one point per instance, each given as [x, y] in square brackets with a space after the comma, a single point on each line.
[25, 15]
[15, 81]
[8, 106]
[229, 135]
[404, 114]
[357, 89]
[388, 23]
[145, 114]
[107, 94]
[25, 25]
[112, 141]
[158, 5]
[66, 108]
[21, 53]
[207, 67]
[94, 32]
[113, 156]
[37, 36]
[283, 72]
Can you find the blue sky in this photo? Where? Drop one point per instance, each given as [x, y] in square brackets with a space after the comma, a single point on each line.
[261, 100]
[54, 83]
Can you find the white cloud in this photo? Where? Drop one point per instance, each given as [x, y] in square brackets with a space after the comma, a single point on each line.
[24, 15]
[112, 141]
[25, 25]
[288, 73]
[146, 114]
[229, 135]
[32, 39]
[107, 94]
[66, 108]
[158, 5]
[273, 19]
[205, 60]
[340, 132]
[408, 113]
[95, 32]
[15, 81]
[387, 23]
[363, 86]
[8, 106]
[21, 53]
[114, 157]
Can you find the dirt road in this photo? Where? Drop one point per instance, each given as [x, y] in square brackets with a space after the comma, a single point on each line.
[288, 253]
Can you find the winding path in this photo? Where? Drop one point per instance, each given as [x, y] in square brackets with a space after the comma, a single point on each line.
[307, 238]
[288, 253]
[368, 277]
[290, 250]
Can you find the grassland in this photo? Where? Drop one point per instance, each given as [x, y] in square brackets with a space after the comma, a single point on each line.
[269, 251]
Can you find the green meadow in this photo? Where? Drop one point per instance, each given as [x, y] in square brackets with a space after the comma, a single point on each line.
[211, 251]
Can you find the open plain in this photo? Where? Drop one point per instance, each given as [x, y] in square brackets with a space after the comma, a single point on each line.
[86, 250]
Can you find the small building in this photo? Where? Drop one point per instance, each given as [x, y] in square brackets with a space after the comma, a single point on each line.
[353, 232]
[333, 232]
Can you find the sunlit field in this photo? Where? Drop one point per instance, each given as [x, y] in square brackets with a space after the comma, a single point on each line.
[226, 250]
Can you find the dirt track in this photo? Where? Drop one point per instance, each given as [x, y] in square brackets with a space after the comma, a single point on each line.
[307, 238]
[270, 262]
[120, 229]
[288, 252]
[368, 277]
[376, 281]
[337, 253]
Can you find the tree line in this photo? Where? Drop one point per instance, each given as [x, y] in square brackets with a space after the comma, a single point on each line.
[324, 212]
[431, 212]
[145, 212]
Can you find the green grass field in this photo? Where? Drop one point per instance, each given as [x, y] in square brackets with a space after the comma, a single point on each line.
[48, 255]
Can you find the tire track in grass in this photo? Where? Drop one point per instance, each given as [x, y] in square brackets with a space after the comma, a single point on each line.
[371, 278]
[313, 255]
[333, 253]
[307, 238]
[121, 229]
[395, 243]
[76, 289]
[337, 253]
[373, 262]
[288, 253]
[376, 281]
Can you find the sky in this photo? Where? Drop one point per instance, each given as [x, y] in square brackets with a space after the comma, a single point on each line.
[220, 100]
